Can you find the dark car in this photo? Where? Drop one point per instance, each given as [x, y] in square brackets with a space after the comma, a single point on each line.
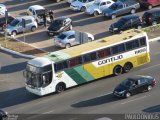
[149, 3]
[60, 25]
[3, 20]
[3, 115]
[134, 85]
[151, 17]
[120, 8]
[126, 22]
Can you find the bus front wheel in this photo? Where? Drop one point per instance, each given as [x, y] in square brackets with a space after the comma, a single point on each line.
[60, 87]
[117, 70]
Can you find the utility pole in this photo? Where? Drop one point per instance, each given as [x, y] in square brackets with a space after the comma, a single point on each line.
[5, 31]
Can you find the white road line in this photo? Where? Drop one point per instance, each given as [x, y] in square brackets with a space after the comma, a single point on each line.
[133, 100]
[48, 112]
[151, 67]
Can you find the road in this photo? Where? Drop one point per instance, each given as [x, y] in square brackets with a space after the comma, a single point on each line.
[98, 26]
[92, 98]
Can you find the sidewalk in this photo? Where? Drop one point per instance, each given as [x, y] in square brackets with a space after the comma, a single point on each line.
[27, 50]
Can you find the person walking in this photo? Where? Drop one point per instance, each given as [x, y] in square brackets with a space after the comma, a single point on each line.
[44, 20]
[51, 15]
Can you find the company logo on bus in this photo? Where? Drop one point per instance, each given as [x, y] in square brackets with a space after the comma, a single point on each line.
[109, 60]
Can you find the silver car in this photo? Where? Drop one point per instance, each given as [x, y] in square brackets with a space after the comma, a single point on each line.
[68, 39]
[16, 25]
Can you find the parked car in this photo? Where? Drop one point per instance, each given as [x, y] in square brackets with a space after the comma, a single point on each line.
[151, 17]
[120, 8]
[98, 6]
[149, 3]
[2, 9]
[16, 27]
[37, 12]
[59, 25]
[68, 39]
[126, 22]
[134, 85]
[3, 20]
[3, 115]
[81, 5]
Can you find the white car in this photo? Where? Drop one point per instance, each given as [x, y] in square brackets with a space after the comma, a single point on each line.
[2, 9]
[68, 39]
[81, 5]
[98, 6]
[37, 12]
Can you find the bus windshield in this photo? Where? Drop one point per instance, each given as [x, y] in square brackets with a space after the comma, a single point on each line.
[38, 76]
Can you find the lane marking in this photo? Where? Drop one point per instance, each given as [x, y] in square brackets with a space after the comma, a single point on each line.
[133, 100]
[151, 67]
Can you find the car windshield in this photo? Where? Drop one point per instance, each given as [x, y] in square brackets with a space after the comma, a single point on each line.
[14, 22]
[62, 36]
[127, 82]
[82, 1]
[57, 23]
[97, 3]
[40, 12]
[120, 22]
[114, 6]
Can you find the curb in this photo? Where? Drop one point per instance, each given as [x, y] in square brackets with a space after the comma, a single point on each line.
[31, 56]
[17, 53]
[154, 39]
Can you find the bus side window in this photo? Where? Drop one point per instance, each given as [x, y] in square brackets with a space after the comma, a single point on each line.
[143, 41]
[118, 49]
[75, 61]
[89, 57]
[104, 52]
[60, 66]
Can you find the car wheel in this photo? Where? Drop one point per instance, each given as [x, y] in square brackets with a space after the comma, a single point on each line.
[149, 88]
[128, 94]
[127, 67]
[150, 7]
[113, 16]
[14, 33]
[68, 45]
[117, 70]
[154, 23]
[89, 39]
[83, 9]
[33, 28]
[95, 13]
[133, 11]
[60, 87]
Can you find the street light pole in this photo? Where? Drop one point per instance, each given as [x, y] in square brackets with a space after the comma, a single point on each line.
[5, 31]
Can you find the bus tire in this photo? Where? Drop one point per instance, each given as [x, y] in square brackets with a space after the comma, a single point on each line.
[117, 70]
[60, 87]
[127, 67]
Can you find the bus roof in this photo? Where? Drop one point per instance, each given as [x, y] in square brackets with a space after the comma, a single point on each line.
[92, 46]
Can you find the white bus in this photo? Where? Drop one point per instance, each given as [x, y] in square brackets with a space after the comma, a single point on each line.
[87, 62]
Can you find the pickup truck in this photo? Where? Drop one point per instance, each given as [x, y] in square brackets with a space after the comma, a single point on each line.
[120, 8]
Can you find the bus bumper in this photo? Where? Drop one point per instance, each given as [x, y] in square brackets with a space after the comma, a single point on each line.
[38, 92]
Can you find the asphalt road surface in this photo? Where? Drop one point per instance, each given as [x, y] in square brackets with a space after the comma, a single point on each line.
[98, 26]
[92, 98]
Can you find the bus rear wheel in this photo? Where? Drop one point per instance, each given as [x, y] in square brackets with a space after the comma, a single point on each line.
[127, 67]
[117, 70]
[60, 87]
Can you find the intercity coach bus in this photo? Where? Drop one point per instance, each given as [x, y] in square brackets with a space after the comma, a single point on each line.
[84, 63]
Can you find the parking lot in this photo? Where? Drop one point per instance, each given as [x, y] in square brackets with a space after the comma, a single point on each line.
[98, 26]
